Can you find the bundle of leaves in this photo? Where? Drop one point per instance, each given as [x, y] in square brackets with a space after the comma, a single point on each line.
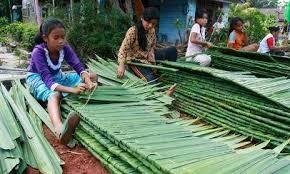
[220, 37]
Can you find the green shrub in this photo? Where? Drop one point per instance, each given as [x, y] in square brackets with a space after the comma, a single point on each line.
[256, 24]
[27, 38]
[22, 33]
[3, 21]
[15, 31]
[96, 33]
[220, 38]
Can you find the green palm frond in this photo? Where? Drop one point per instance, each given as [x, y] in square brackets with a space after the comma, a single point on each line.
[263, 65]
[254, 107]
[25, 143]
[144, 141]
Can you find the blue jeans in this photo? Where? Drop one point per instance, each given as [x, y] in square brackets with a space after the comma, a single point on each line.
[169, 54]
[148, 74]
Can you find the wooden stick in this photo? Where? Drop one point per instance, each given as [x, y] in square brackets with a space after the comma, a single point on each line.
[152, 66]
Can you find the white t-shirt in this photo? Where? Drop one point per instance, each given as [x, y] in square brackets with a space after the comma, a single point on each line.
[264, 44]
[193, 48]
[218, 26]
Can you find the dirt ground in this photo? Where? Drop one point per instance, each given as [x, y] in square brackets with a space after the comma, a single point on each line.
[77, 160]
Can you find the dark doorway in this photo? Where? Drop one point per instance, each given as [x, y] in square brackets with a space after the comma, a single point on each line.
[213, 9]
[151, 3]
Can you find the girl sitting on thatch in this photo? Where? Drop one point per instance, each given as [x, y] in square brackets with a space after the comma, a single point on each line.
[139, 46]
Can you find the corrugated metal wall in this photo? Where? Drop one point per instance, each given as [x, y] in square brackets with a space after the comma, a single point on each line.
[28, 12]
[171, 10]
[184, 10]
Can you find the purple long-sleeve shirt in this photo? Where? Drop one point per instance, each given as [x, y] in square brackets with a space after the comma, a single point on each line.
[42, 64]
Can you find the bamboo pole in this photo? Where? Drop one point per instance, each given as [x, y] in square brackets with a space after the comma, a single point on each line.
[71, 10]
[10, 10]
[53, 6]
[37, 12]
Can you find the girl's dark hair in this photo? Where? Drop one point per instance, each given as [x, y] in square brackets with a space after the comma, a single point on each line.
[234, 22]
[199, 14]
[46, 27]
[274, 29]
[149, 14]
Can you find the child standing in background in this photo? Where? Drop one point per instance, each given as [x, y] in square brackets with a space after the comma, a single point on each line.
[48, 83]
[218, 25]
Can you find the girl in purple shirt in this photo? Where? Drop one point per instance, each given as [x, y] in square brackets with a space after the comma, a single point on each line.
[48, 83]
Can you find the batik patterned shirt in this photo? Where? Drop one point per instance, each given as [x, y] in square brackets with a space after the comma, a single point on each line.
[131, 50]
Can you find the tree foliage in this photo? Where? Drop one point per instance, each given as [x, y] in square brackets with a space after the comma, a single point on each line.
[95, 31]
[263, 3]
[256, 23]
[5, 9]
[22, 33]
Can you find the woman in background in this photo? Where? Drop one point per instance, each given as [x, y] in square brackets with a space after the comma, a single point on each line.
[238, 39]
[139, 45]
[268, 44]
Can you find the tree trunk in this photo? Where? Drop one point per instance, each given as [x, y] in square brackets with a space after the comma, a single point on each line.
[71, 11]
[128, 6]
[138, 9]
[37, 12]
[53, 6]
[125, 6]
[110, 4]
[180, 37]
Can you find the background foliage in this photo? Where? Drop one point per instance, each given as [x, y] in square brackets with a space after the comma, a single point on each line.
[256, 23]
[22, 33]
[95, 31]
[92, 30]
[263, 3]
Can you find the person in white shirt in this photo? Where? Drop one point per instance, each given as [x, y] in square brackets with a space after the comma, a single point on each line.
[197, 42]
[218, 25]
[268, 44]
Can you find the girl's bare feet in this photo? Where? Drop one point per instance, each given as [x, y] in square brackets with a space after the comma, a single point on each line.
[171, 90]
[69, 127]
